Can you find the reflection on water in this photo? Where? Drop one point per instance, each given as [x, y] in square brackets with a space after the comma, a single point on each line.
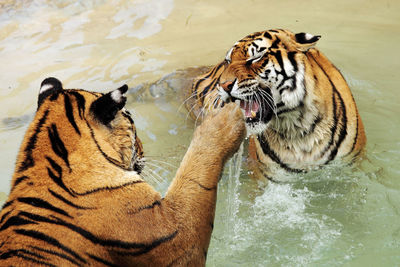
[332, 217]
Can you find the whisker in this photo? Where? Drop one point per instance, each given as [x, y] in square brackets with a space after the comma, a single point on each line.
[157, 167]
[149, 177]
[271, 103]
[155, 175]
[187, 99]
[163, 162]
[156, 156]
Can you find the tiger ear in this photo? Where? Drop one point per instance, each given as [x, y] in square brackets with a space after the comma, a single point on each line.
[106, 107]
[306, 41]
[48, 87]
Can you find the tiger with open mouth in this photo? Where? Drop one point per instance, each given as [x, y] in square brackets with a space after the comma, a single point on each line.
[300, 113]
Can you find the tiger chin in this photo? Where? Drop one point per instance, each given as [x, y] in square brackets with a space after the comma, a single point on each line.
[299, 111]
[77, 197]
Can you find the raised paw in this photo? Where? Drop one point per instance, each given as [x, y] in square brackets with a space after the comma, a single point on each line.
[223, 130]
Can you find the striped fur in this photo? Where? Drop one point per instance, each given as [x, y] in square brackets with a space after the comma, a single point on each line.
[77, 198]
[299, 110]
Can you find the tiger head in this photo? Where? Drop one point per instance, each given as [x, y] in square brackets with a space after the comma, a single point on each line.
[81, 127]
[266, 72]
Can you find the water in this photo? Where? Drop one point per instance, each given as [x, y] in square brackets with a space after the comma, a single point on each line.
[339, 216]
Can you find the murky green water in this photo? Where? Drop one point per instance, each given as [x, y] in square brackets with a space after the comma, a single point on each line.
[339, 216]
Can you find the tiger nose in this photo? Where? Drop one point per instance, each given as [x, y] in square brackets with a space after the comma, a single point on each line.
[227, 86]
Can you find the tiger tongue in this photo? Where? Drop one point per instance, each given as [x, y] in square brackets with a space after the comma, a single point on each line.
[250, 109]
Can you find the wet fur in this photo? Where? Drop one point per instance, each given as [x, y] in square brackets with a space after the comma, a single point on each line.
[76, 200]
[313, 116]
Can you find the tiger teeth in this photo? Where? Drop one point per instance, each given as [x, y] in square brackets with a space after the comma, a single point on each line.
[253, 114]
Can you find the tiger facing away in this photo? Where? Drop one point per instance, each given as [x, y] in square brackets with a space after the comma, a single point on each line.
[299, 111]
[77, 198]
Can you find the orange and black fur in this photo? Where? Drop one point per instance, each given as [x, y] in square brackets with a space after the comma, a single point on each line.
[299, 110]
[77, 198]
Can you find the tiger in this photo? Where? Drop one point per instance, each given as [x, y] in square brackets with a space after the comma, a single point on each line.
[77, 197]
[300, 113]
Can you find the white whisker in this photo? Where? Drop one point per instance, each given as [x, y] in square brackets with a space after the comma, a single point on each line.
[163, 162]
[157, 167]
[150, 178]
[155, 175]
[187, 99]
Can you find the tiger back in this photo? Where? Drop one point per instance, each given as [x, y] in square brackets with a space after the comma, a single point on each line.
[300, 113]
[77, 198]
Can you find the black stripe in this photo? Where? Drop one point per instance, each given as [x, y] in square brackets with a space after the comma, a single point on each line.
[265, 62]
[70, 113]
[109, 159]
[150, 246]
[355, 156]
[94, 239]
[28, 162]
[110, 188]
[267, 35]
[356, 135]
[81, 102]
[155, 203]
[207, 88]
[335, 121]
[280, 104]
[283, 89]
[103, 261]
[286, 110]
[278, 56]
[49, 240]
[66, 201]
[15, 221]
[61, 255]
[271, 179]
[8, 203]
[210, 74]
[36, 261]
[333, 127]
[272, 155]
[54, 95]
[204, 187]
[316, 121]
[31, 253]
[40, 203]
[4, 216]
[57, 179]
[20, 254]
[57, 144]
[343, 129]
[19, 180]
[291, 56]
[275, 43]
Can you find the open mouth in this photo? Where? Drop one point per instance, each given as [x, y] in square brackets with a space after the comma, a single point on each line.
[250, 109]
[255, 111]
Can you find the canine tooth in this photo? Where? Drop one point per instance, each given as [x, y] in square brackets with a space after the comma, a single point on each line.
[253, 114]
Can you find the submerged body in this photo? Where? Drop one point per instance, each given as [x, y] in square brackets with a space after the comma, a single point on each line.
[77, 198]
[299, 110]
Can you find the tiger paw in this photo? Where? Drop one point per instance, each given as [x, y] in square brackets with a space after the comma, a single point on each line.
[222, 131]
